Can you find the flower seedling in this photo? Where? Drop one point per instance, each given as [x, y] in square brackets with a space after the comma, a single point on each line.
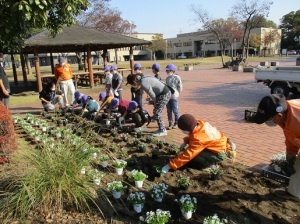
[154, 153]
[136, 142]
[159, 216]
[137, 197]
[116, 186]
[124, 137]
[160, 144]
[187, 203]
[158, 191]
[214, 220]
[173, 149]
[122, 153]
[119, 163]
[183, 181]
[138, 175]
[139, 134]
[149, 139]
[142, 147]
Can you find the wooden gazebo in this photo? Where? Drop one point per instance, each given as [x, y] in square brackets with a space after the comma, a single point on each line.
[77, 39]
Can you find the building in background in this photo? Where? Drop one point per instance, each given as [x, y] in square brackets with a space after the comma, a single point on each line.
[203, 44]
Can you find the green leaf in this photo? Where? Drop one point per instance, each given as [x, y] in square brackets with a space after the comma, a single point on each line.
[20, 7]
[37, 2]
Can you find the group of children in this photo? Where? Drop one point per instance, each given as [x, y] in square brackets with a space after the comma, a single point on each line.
[160, 94]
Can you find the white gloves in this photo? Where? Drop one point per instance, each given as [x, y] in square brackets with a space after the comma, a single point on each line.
[165, 169]
[115, 92]
[182, 146]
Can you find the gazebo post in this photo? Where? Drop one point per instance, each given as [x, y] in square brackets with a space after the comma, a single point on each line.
[14, 69]
[85, 61]
[38, 71]
[90, 67]
[23, 70]
[51, 62]
[105, 57]
[131, 59]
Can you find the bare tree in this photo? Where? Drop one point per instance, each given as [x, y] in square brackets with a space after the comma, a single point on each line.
[250, 14]
[225, 31]
[100, 16]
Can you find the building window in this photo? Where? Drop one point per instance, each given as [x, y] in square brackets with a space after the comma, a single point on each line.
[187, 44]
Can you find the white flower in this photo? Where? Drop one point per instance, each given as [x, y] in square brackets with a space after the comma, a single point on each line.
[136, 198]
[214, 220]
[159, 190]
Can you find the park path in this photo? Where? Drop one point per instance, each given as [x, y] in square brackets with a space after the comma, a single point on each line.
[219, 96]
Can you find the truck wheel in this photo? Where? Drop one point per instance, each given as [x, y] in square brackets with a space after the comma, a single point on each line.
[280, 89]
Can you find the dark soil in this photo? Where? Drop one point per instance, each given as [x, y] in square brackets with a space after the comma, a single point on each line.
[240, 195]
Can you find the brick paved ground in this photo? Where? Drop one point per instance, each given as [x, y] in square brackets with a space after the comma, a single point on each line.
[220, 97]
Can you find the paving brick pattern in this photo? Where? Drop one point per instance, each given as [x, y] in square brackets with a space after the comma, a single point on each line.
[220, 97]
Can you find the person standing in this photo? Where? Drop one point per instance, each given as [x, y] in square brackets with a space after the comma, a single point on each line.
[117, 82]
[174, 81]
[63, 74]
[275, 110]
[155, 70]
[137, 93]
[4, 83]
[159, 93]
[108, 79]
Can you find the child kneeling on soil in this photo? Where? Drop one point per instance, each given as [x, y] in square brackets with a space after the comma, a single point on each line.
[80, 100]
[140, 117]
[203, 147]
[92, 107]
[48, 97]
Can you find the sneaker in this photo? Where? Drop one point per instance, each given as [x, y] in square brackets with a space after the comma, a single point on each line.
[170, 126]
[160, 133]
[175, 126]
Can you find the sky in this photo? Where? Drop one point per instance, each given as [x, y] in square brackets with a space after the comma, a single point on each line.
[172, 17]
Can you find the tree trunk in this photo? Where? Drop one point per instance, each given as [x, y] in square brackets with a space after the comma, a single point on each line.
[27, 63]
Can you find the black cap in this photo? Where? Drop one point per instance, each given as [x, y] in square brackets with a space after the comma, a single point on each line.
[268, 107]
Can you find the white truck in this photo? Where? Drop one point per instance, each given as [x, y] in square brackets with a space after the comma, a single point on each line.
[281, 80]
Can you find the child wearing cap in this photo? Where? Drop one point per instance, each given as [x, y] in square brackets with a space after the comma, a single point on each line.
[108, 79]
[276, 110]
[63, 74]
[48, 97]
[140, 117]
[119, 106]
[92, 107]
[174, 81]
[160, 94]
[117, 82]
[155, 70]
[137, 92]
[203, 147]
[80, 100]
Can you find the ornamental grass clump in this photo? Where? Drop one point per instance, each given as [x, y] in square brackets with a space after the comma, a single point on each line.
[187, 203]
[157, 217]
[52, 181]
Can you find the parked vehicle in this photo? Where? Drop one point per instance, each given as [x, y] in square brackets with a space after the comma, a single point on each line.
[182, 56]
[292, 52]
[281, 80]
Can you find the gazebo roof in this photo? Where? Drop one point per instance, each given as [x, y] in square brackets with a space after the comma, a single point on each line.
[77, 38]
